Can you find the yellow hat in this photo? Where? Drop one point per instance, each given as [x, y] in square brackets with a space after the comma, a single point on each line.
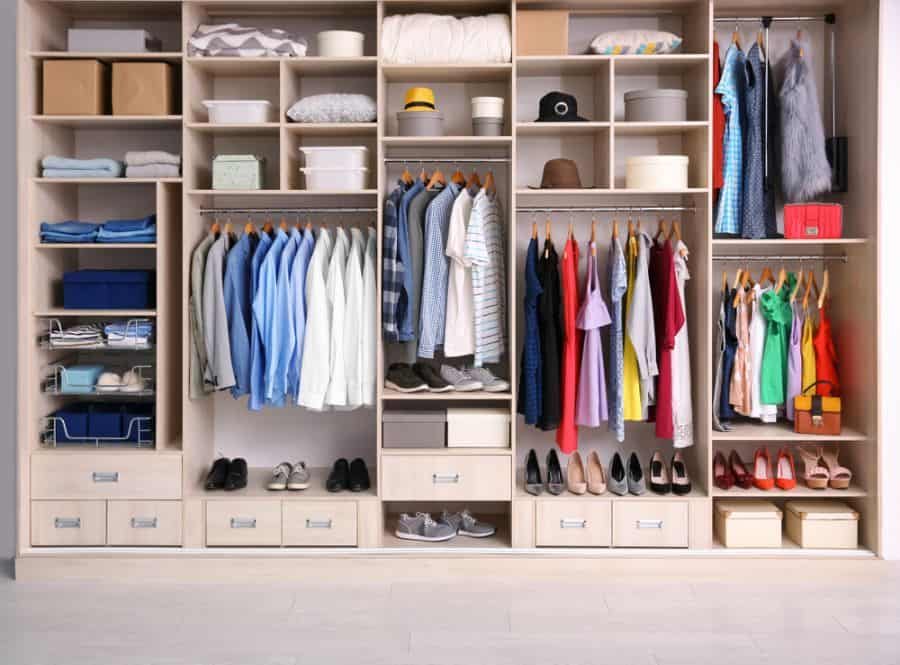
[419, 99]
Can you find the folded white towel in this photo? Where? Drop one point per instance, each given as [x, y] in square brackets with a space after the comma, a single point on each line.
[145, 157]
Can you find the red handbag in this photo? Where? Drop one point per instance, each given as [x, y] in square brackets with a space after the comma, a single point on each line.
[804, 221]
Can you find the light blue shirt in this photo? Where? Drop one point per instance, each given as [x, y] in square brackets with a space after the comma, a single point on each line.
[404, 305]
[437, 268]
[298, 289]
[257, 352]
[284, 335]
[266, 314]
[237, 308]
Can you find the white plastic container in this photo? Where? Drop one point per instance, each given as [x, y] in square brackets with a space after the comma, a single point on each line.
[477, 428]
[657, 172]
[340, 44]
[336, 156]
[487, 107]
[335, 180]
[229, 111]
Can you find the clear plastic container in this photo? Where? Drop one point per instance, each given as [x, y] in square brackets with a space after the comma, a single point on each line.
[335, 180]
[336, 156]
[229, 111]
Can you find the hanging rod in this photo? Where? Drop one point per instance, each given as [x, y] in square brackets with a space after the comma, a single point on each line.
[260, 211]
[609, 209]
[451, 160]
[827, 18]
[775, 259]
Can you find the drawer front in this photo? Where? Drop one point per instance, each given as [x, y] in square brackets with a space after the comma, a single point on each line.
[642, 523]
[243, 523]
[68, 523]
[446, 477]
[106, 476]
[563, 523]
[318, 524]
[144, 523]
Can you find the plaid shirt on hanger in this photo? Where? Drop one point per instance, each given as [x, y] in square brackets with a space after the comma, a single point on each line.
[732, 88]
[392, 268]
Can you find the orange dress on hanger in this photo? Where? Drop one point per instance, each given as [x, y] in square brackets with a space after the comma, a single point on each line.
[567, 434]
[826, 357]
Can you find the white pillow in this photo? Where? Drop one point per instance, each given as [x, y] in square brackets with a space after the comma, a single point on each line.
[337, 107]
[635, 42]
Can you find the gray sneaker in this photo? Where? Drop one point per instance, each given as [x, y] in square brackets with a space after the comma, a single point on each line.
[299, 478]
[422, 527]
[465, 524]
[280, 474]
[492, 384]
[460, 379]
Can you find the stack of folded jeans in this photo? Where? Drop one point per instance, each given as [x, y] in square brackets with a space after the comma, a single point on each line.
[65, 167]
[129, 334]
[128, 230]
[69, 232]
[152, 164]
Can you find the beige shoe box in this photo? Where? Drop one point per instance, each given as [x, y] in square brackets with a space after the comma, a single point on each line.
[74, 87]
[542, 32]
[142, 88]
[822, 524]
[748, 523]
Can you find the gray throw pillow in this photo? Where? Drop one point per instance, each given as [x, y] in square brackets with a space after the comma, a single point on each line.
[339, 107]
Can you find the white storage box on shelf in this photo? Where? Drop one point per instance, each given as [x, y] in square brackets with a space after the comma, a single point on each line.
[336, 157]
[748, 523]
[477, 428]
[340, 44]
[336, 180]
[233, 111]
[822, 524]
[657, 172]
[238, 172]
[658, 105]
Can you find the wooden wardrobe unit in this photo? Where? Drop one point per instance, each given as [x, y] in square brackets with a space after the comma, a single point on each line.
[83, 510]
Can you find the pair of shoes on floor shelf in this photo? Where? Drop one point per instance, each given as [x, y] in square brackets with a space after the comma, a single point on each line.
[290, 477]
[621, 480]
[423, 527]
[227, 474]
[406, 378]
[353, 476]
[821, 470]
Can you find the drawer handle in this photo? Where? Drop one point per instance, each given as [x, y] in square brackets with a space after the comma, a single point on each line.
[319, 524]
[144, 522]
[649, 524]
[243, 522]
[444, 478]
[106, 476]
[67, 522]
[572, 523]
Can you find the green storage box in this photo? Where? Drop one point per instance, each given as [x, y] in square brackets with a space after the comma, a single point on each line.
[238, 172]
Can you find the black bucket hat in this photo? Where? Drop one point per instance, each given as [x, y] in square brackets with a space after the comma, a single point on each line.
[558, 106]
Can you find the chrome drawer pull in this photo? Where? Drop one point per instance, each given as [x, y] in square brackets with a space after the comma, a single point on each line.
[106, 476]
[649, 524]
[243, 522]
[572, 523]
[319, 524]
[67, 522]
[144, 522]
[444, 478]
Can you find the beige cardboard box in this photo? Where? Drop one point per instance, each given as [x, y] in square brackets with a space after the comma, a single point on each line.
[74, 87]
[748, 523]
[822, 524]
[542, 32]
[142, 88]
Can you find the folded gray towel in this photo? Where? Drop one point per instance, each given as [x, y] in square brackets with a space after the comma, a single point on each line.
[152, 171]
[145, 157]
[100, 167]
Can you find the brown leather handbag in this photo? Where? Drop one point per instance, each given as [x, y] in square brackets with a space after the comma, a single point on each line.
[817, 414]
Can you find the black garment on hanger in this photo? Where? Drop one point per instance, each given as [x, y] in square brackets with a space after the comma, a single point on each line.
[550, 321]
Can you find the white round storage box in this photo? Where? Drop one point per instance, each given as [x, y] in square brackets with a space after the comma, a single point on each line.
[487, 107]
[660, 105]
[340, 44]
[657, 172]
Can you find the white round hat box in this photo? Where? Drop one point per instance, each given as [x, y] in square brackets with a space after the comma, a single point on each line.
[658, 105]
[657, 172]
[340, 44]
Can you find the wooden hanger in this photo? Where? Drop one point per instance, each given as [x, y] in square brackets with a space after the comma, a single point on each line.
[811, 284]
[782, 277]
[676, 231]
[736, 37]
[724, 280]
[308, 224]
[489, 182]
[759, 38]
[767, 274]
[436, 178]
[458, 178]
[630, 228]
[661, 230]
[824, 294]
[406, 176]
[801, 282]
[215, 228]
[739, 286]
[571, 233]
[593, 229]
[228, 227]
[534, 230]
[615, 229]
[249, 227]
[474, 180]
[267, 227]
[423, 175]
[799, 38]
[283, 225]
[548, 240]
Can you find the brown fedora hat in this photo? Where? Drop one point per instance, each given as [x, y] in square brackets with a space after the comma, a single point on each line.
[560, 174]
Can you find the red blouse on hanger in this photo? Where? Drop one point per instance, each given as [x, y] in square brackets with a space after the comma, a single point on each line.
[567, 434]
[718, 122]
[826, 357]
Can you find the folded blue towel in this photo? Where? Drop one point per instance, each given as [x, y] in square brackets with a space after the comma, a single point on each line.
[123, 225]
[57, 167]
[70, 231]
[130, 236]
[77, 173]
[133, 328]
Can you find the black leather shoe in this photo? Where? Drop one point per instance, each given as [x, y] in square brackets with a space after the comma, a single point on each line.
[555, 482]
[237, 474]
[339, 478]
[533, 484]
[359, 476]
[215, 479]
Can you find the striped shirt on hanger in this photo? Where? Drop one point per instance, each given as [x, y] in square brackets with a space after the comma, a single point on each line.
[392, 268]
[437, 267]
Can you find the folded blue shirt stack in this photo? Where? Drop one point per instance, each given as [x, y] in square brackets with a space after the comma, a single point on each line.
[141, 230]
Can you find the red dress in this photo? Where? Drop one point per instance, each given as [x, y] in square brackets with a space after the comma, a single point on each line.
[668, 318]
[826, 357]
[718, 123]
[567, 434]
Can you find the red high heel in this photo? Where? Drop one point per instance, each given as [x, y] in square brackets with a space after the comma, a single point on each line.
[762, 470]
[785, 475]
[722, 476]
[742, 477]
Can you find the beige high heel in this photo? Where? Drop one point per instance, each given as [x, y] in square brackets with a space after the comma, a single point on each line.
[575, 477]
[596, 478]
[814, 473]
[839, 475]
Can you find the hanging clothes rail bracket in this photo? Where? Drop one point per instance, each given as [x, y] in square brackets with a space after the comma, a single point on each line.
[690, 209]
[775, 259]
[292, 211]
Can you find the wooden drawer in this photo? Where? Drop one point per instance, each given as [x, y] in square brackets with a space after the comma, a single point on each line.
[446, 477]
[106, 476]
[243, 523]
[640, 523]
[68, 523]
[318, 523]
[144, 523]
[564, 523]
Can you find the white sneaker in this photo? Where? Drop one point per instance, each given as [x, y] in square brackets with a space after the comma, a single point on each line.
[492, 384]
[460, 379]
[280, 475]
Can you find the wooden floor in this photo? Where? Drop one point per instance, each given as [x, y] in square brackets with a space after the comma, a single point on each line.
[792, 613]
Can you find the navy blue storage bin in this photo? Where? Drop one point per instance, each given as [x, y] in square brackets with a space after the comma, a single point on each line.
[72, 426]
[105, 421]
[141, 431]
[109, 289]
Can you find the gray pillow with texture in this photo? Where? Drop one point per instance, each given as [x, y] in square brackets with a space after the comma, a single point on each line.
[338, 107]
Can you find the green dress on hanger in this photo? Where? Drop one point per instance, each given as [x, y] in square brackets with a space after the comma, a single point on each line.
[776, 307]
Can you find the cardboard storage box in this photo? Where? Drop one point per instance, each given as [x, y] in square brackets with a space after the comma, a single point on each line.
[818, 523]
[748, 523]
[142, 88]
[109, 40]
[74, 87]
[477, 428]
[403, 428]
[542, 32]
